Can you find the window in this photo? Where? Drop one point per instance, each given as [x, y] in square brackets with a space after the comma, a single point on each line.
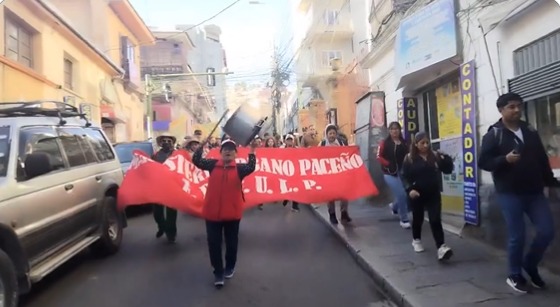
[39, 140]
[77, 146]
[18, 44]
[4, 149]
[68, 74]
[331, 17]
[328, 56]
[100, 145]
[537, 54]
[544, 115]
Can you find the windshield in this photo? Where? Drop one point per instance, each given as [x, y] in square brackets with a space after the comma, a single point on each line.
[4, 149]
[124, 151]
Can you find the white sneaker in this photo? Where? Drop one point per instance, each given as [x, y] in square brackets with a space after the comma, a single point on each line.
[417, 244]
[395, 213]
[405, 225]
[444, 252]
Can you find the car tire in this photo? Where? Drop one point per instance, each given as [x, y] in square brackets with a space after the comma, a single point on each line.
[111, 229]
[8, 281]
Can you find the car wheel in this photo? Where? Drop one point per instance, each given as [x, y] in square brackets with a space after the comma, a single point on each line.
[111, 229]
[8, 282]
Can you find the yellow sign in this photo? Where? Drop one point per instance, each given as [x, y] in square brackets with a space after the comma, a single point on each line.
[448, 100]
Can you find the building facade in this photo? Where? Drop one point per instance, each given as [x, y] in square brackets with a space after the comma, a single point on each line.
[324, 48]
[179, 105]
[209, 56]
[97, 69]
[441, 65]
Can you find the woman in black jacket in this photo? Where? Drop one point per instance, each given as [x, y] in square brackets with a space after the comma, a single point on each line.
[421, 174]
[390, 154]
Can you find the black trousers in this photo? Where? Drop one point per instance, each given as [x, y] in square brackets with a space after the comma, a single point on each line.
[214, 232]
[433, 207]
[166, 219]
[295, 204]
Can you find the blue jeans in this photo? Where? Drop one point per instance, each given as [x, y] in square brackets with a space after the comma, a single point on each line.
[401, 200]
[536, 206]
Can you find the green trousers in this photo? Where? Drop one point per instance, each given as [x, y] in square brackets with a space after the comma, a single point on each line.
[166, 219]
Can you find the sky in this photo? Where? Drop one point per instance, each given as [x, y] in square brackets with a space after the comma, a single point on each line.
[249, 31]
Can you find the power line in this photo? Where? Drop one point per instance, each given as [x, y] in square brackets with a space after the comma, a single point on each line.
[185, 30]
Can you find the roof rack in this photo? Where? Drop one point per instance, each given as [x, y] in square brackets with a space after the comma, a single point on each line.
[46, 108]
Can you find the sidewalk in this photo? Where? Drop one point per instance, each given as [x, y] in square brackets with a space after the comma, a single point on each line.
[475, 276]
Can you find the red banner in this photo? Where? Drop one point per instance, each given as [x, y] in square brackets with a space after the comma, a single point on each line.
[306, 175]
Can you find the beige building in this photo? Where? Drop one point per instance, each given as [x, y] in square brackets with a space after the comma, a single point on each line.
[324, 31]
[88, 60]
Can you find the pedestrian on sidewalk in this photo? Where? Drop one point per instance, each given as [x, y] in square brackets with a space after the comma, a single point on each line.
[223, 205]
[289, 142]
[513, 151]
[332, 138]
[390, 154]
[421, 172]
[165, 217]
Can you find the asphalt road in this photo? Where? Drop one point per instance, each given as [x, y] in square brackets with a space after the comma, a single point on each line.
[285, 259]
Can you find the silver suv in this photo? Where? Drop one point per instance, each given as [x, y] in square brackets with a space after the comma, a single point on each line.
[58, 186]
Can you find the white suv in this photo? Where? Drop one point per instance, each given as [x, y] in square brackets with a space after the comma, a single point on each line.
[58, 186]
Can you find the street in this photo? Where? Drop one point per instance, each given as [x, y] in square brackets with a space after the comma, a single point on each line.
[285, 259]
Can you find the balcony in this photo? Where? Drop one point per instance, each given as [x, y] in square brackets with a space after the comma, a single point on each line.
[329, 24]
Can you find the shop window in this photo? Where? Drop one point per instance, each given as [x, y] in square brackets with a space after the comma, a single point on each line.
[544, 115]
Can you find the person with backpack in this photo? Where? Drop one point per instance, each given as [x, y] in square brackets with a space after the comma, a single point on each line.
[513, 152]
[332, 138]
[421, 174]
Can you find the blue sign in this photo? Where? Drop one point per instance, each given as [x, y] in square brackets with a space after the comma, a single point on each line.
[468, 131]
[427, 37]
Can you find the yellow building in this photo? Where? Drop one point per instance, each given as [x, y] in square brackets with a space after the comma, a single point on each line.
[89, 59]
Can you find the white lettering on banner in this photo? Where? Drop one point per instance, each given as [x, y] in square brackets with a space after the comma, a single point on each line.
[138, 160]
[186, 168]
[330, 165]
[275, 166]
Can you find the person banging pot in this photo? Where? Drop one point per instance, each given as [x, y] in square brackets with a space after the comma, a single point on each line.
[421, 173]
[224, 204]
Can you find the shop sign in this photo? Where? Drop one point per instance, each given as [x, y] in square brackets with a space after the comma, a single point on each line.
[407, 116]
[468, 131]
[427, 37]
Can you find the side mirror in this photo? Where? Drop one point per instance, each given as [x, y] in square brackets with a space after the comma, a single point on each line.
[37, 164]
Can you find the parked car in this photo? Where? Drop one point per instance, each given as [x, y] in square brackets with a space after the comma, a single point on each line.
[125, 150]
[59, 178]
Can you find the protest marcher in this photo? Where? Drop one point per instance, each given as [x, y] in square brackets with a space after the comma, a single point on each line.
[165, 217]
[332, 139]
[513, 151]
[270, 143]
[290, 142]
[421, 173]
[390, 154]
[223, 205]
[191, 144]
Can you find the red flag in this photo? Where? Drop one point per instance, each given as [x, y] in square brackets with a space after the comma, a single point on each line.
[306, 175]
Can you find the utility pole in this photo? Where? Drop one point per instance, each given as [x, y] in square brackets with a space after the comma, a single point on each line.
[279, 77]
[149, 88]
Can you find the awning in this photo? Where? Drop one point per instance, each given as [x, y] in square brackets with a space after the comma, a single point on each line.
[494, 15]
[108, 112]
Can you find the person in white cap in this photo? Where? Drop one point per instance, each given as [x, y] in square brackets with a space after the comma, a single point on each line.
[224, 204]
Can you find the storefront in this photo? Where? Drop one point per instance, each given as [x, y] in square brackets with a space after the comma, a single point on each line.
[537, 69]
[430, 78]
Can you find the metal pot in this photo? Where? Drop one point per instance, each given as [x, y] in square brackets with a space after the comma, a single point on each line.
[242, 128]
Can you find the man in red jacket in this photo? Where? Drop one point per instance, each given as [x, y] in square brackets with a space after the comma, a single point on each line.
[223, 204]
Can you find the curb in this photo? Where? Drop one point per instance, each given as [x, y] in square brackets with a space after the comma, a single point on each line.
[384, 286]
